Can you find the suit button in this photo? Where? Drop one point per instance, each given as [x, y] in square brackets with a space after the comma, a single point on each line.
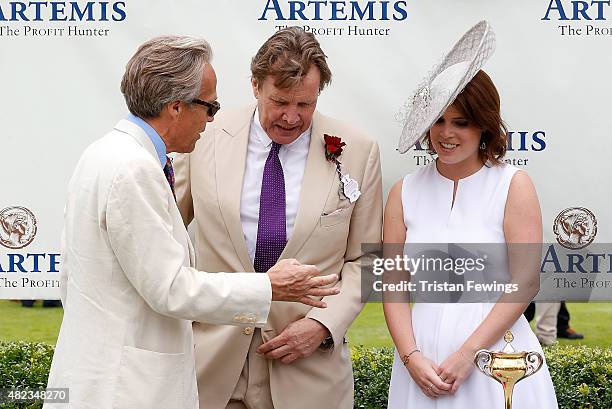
[248, 330]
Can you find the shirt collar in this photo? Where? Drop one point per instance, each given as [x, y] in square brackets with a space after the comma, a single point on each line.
[158, 142]
[302, 141]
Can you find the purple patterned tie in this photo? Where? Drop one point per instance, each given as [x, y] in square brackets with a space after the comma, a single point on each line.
[271, 230]
[169, 172]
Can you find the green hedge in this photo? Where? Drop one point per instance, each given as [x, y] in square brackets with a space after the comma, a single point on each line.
[24, 365]
[582, 375]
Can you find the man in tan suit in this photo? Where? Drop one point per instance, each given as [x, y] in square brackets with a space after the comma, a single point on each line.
[263, 184]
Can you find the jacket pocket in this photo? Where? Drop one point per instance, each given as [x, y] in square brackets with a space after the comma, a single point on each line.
[335, 217]
[149, 379]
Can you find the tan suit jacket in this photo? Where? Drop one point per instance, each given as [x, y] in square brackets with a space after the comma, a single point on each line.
[328, 233]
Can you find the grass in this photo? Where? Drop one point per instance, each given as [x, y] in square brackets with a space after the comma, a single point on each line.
[591, 319]
[42, 324]
[34, 324]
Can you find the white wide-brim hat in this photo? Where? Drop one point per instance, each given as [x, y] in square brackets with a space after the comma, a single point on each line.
[445, 82]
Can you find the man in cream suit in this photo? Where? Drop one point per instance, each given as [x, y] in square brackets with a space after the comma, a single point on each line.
[260, 188]
[127, 281]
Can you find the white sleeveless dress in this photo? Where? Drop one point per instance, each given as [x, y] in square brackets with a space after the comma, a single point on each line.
[440, 329]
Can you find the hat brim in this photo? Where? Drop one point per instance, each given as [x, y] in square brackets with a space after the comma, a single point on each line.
[445, 82]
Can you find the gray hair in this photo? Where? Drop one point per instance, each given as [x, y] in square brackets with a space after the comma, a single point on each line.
[163, 70]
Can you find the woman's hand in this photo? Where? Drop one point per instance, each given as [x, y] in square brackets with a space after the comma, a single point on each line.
[425, 373]
[456, 369]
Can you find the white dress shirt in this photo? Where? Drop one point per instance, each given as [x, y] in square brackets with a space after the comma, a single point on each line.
[293, 159]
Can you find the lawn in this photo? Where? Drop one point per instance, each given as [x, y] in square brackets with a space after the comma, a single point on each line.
[591, 319]
[34, 324]
[42, 324]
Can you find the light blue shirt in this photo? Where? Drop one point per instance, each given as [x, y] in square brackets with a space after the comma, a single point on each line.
[158, 142]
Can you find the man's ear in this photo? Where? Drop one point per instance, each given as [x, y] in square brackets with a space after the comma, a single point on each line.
[255, 86]
[174, 109]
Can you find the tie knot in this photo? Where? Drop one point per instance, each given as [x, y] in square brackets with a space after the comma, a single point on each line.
[168, 162]
[275, 147]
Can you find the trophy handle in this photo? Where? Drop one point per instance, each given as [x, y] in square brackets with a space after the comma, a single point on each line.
[483, 360]
[534, 361]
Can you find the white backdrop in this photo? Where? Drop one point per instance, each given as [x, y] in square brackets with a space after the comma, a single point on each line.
[60, 93]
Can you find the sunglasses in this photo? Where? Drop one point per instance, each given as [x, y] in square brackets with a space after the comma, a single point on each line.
[213, 107]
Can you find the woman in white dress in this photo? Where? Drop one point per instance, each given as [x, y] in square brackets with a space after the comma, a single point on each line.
[467, 195]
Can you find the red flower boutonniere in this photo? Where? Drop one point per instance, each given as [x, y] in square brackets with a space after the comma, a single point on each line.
[333, 147]
[349, 188]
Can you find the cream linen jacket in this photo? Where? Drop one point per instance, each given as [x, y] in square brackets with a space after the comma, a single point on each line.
[128, 290]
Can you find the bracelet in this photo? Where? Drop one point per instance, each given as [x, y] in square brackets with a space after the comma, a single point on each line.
[406, 358]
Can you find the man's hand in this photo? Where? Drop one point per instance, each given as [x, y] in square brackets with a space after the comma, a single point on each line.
[298, 340]
[292, 281]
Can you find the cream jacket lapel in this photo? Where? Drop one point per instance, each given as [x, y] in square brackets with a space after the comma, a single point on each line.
[318, 180]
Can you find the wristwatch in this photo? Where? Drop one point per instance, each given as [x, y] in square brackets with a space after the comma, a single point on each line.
[327, 343]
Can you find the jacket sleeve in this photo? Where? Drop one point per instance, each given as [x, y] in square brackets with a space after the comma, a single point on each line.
[141, 233]
[365, 227]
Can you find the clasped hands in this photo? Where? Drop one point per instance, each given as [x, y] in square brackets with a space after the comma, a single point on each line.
[439, 380]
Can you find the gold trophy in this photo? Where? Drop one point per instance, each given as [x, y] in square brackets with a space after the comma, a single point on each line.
[508, 366]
